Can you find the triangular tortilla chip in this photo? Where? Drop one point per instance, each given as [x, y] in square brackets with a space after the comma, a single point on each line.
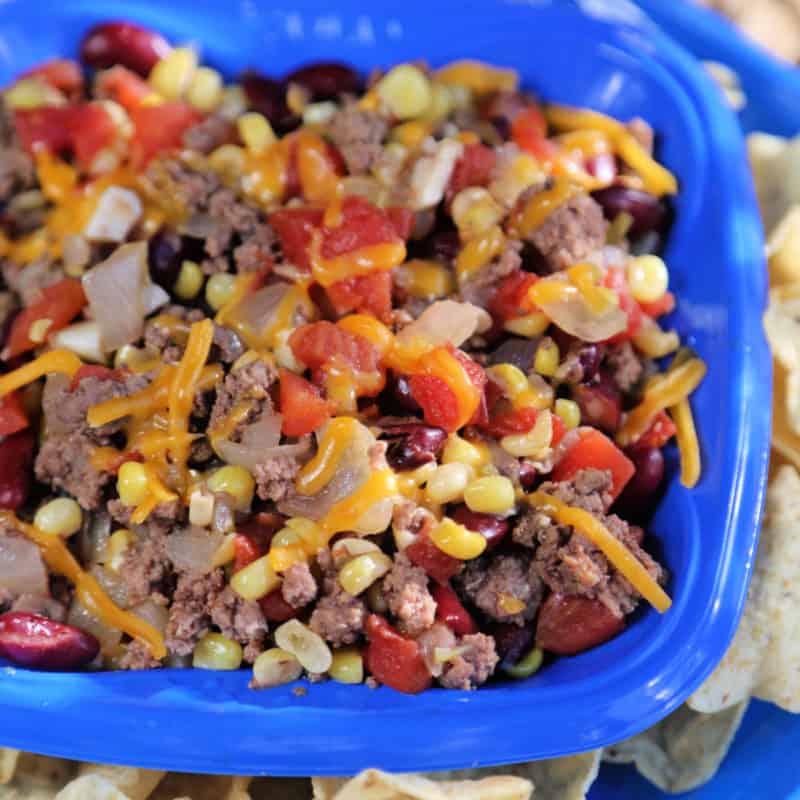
[137, 784]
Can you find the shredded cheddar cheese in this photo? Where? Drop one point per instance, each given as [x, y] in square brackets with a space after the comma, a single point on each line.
[317, 473]
[363, 261]
[533, 214]
[688, 446]
[64, 362]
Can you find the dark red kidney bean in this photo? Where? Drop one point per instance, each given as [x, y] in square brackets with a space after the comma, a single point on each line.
[648, 212]
[511, 641]
[29, 640]
[451, 612]
[527, 475]
[590, 356]
[326, 79]
[570, 624]
[413, 444]
[16, 460]
[125, 43]
[164, 259]
[276, 609]
[639, 492]
[397, 395]
[443, 246]
[600, 403]
[519, 352]
[492, 527]
[268, 97]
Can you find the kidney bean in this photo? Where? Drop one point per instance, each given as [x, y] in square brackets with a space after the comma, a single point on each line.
[164, 259]
[125, 43]
[276, 609]
[590, 357]
[29, 640]
[511, 641]
[397, 397]
[450, 611]
[16, 459]
[527, 475]
[648, 212]
[393, 659]
[492, 527]
[570, 624]
[413, 444]
[637, 496]
[326, 79]
[436, 563]
[600, 403]
[268, 97]
[519, 352]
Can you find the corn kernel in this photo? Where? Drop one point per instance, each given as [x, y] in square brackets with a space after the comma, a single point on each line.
[306, 646]
[281, 557]
[237, 482]
[284, 355]
[255, 131]
[172, 74]
[190, 280]
[255, 580]
[406, 91]
[359, 574]
[447, 483]
[460, 451]
[475, 212]
[205, 90]
[493, 494]
[526, 666]
[654, 342]
[132, 483]
[512, 379]
[534, 443]
[319, 113]
[116, 547]
[219, 289]
[275, 667]
[32, 92]
[411, 134]
[648, 278]
[442, 102]
[152, 99]
[376, 519]
[226, 552]
[347, 666]
[233, 102]
[59, 517]
[547, 358]
[425, 279]
[214, 651]
[229, 161]
[285, 537]
[311, 535]
[137, 359]
[529, 326]
[457, 541]
[569, 411]
[201, 508]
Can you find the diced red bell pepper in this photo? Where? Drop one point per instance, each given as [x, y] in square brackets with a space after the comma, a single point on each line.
[316, 343]
[437, 564]
[124, 86]
[570, 624]
[615, 279]
[368, 294]
[12, 414]
[159, 128]
[451, 612]
[276, 609]
[437, 400]
[661, 430]
[474, 168]
[510, 298]
[61, 73]
[91, 130]
[393, 659]
[520, 420]
[594, 450]
[294, 227]
[362, 225]
[658, 308]
[16, 473]
[529, 132]
[559, 430]
[303, 409]
[60, 303]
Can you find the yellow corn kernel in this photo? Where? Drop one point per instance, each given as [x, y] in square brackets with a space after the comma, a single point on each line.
[529, 326]
[205, 89]
[370, 328]
[442, 102]
[351, 547]
[201, 508]
[255, 580]
[478, 76]
[457, 541]
[512, 380]
[284, 355]
[226, 552]
[281, 557]
[116, 547]
[411, 134]
[478, 252]
[285, 537]
[237, 482]
[425, 279]
[228, 160]
[275, 667]
[172, 74]
[534, 443]
[311, 535]
[233, 102]
[39, 329]
[447, 483]
[376, 519]
[132, 483]
[59, 517]
[547, 358]
[493, 494]
[214, 651]
[136, 359]
[347, 666]
[152, 99]
[255, 131]
[306, 646]
[359, 574]
[654, 342]
[406, 91]
[569, 411]
[219, 289]
[190, 280]
[648, 278]
[460, 451]
[475, 212]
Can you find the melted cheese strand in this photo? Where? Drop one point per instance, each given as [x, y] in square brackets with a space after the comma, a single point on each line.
[318, 472]
[688, 446]
[62, 361]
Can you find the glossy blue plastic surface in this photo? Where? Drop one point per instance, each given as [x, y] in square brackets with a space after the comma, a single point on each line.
[566, 51]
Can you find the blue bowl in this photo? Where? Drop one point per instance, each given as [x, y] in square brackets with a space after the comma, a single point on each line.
[589, 53]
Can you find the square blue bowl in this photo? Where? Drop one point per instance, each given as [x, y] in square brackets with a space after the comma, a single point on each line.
[592, 53]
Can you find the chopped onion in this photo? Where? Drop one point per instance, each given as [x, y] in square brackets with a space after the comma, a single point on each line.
[193, 549]
[257, 311]
[51, 397]
[431, 174]
[93, 537]
[257, 438]
[113, 584]
[117, 211]
[447, 321]
[21, 567]
[83, 339]
[573, 316]
[153, 297]
[153, 614]
[375, 519]
[108, 636]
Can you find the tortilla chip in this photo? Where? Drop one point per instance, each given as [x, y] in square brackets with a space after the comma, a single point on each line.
[775, 162]
[683, 751]
[137, 784]
[8, 764]
[728, 82]
[91, 787]
[202, 787]
[765, 652]
[783, 249]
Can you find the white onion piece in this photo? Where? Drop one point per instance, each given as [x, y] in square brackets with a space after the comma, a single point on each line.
[82, 338]
[376, 519]
[259, 437]
[51, 397]
[153, 297]
[22, 570]
[108, 636]
[447, 321]
[431, 174]
[113, 584]
[93, 538]
[117, 211]
[153, 614]
[257, 311]
[193, 549]
[573, 316]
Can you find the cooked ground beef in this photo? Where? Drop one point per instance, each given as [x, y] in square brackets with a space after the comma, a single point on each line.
[250, 382]
[358, 136]
[240, 620]
[504, 587]
[625, 365]
[164, 514]
[211, 133]
[189, 618]
[17, 172]
[410, 519]
[227, 344]
[138, 656]
[338, 617]
[275, 477]
[406, 591]
[28, 280]
[176, 182]
[145, 567]
[299, 587]
[474, 666]
[478, 288]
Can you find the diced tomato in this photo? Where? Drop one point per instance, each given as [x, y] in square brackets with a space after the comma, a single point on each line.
[475, 372]
[294, 227]
[316, 343]
[303, 409]
[520, 420]
[510, 298]
[276, 609]
[474, 168]
[402, 219]
[661, 430]
[61, 73]
[96, 371]
[124, 86]
[437, 400]
[44, 129]
[91, 130]
[663, 305]
[570, 624]
[362, 225]
[12, 414]
[615, 279]
[159, 128]
[437, 564]
[253, 537]
[529, 132]
[247, 550]
[559, 429]
[60, 303]
[450, 611]
[594, 450]
[393, 659]
[369, 294]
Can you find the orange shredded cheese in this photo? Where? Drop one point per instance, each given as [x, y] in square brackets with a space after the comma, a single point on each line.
[613, 549]
[318, 179]
[344, 516]
[363, 261]
[688, 446]
[62, 361]
[317, 473]
[533, 214]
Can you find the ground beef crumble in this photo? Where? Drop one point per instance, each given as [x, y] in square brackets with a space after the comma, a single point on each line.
[405, 588]
[189, 615]
[240, 620]
[299, 587]
[338, 617]
[358, 136]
